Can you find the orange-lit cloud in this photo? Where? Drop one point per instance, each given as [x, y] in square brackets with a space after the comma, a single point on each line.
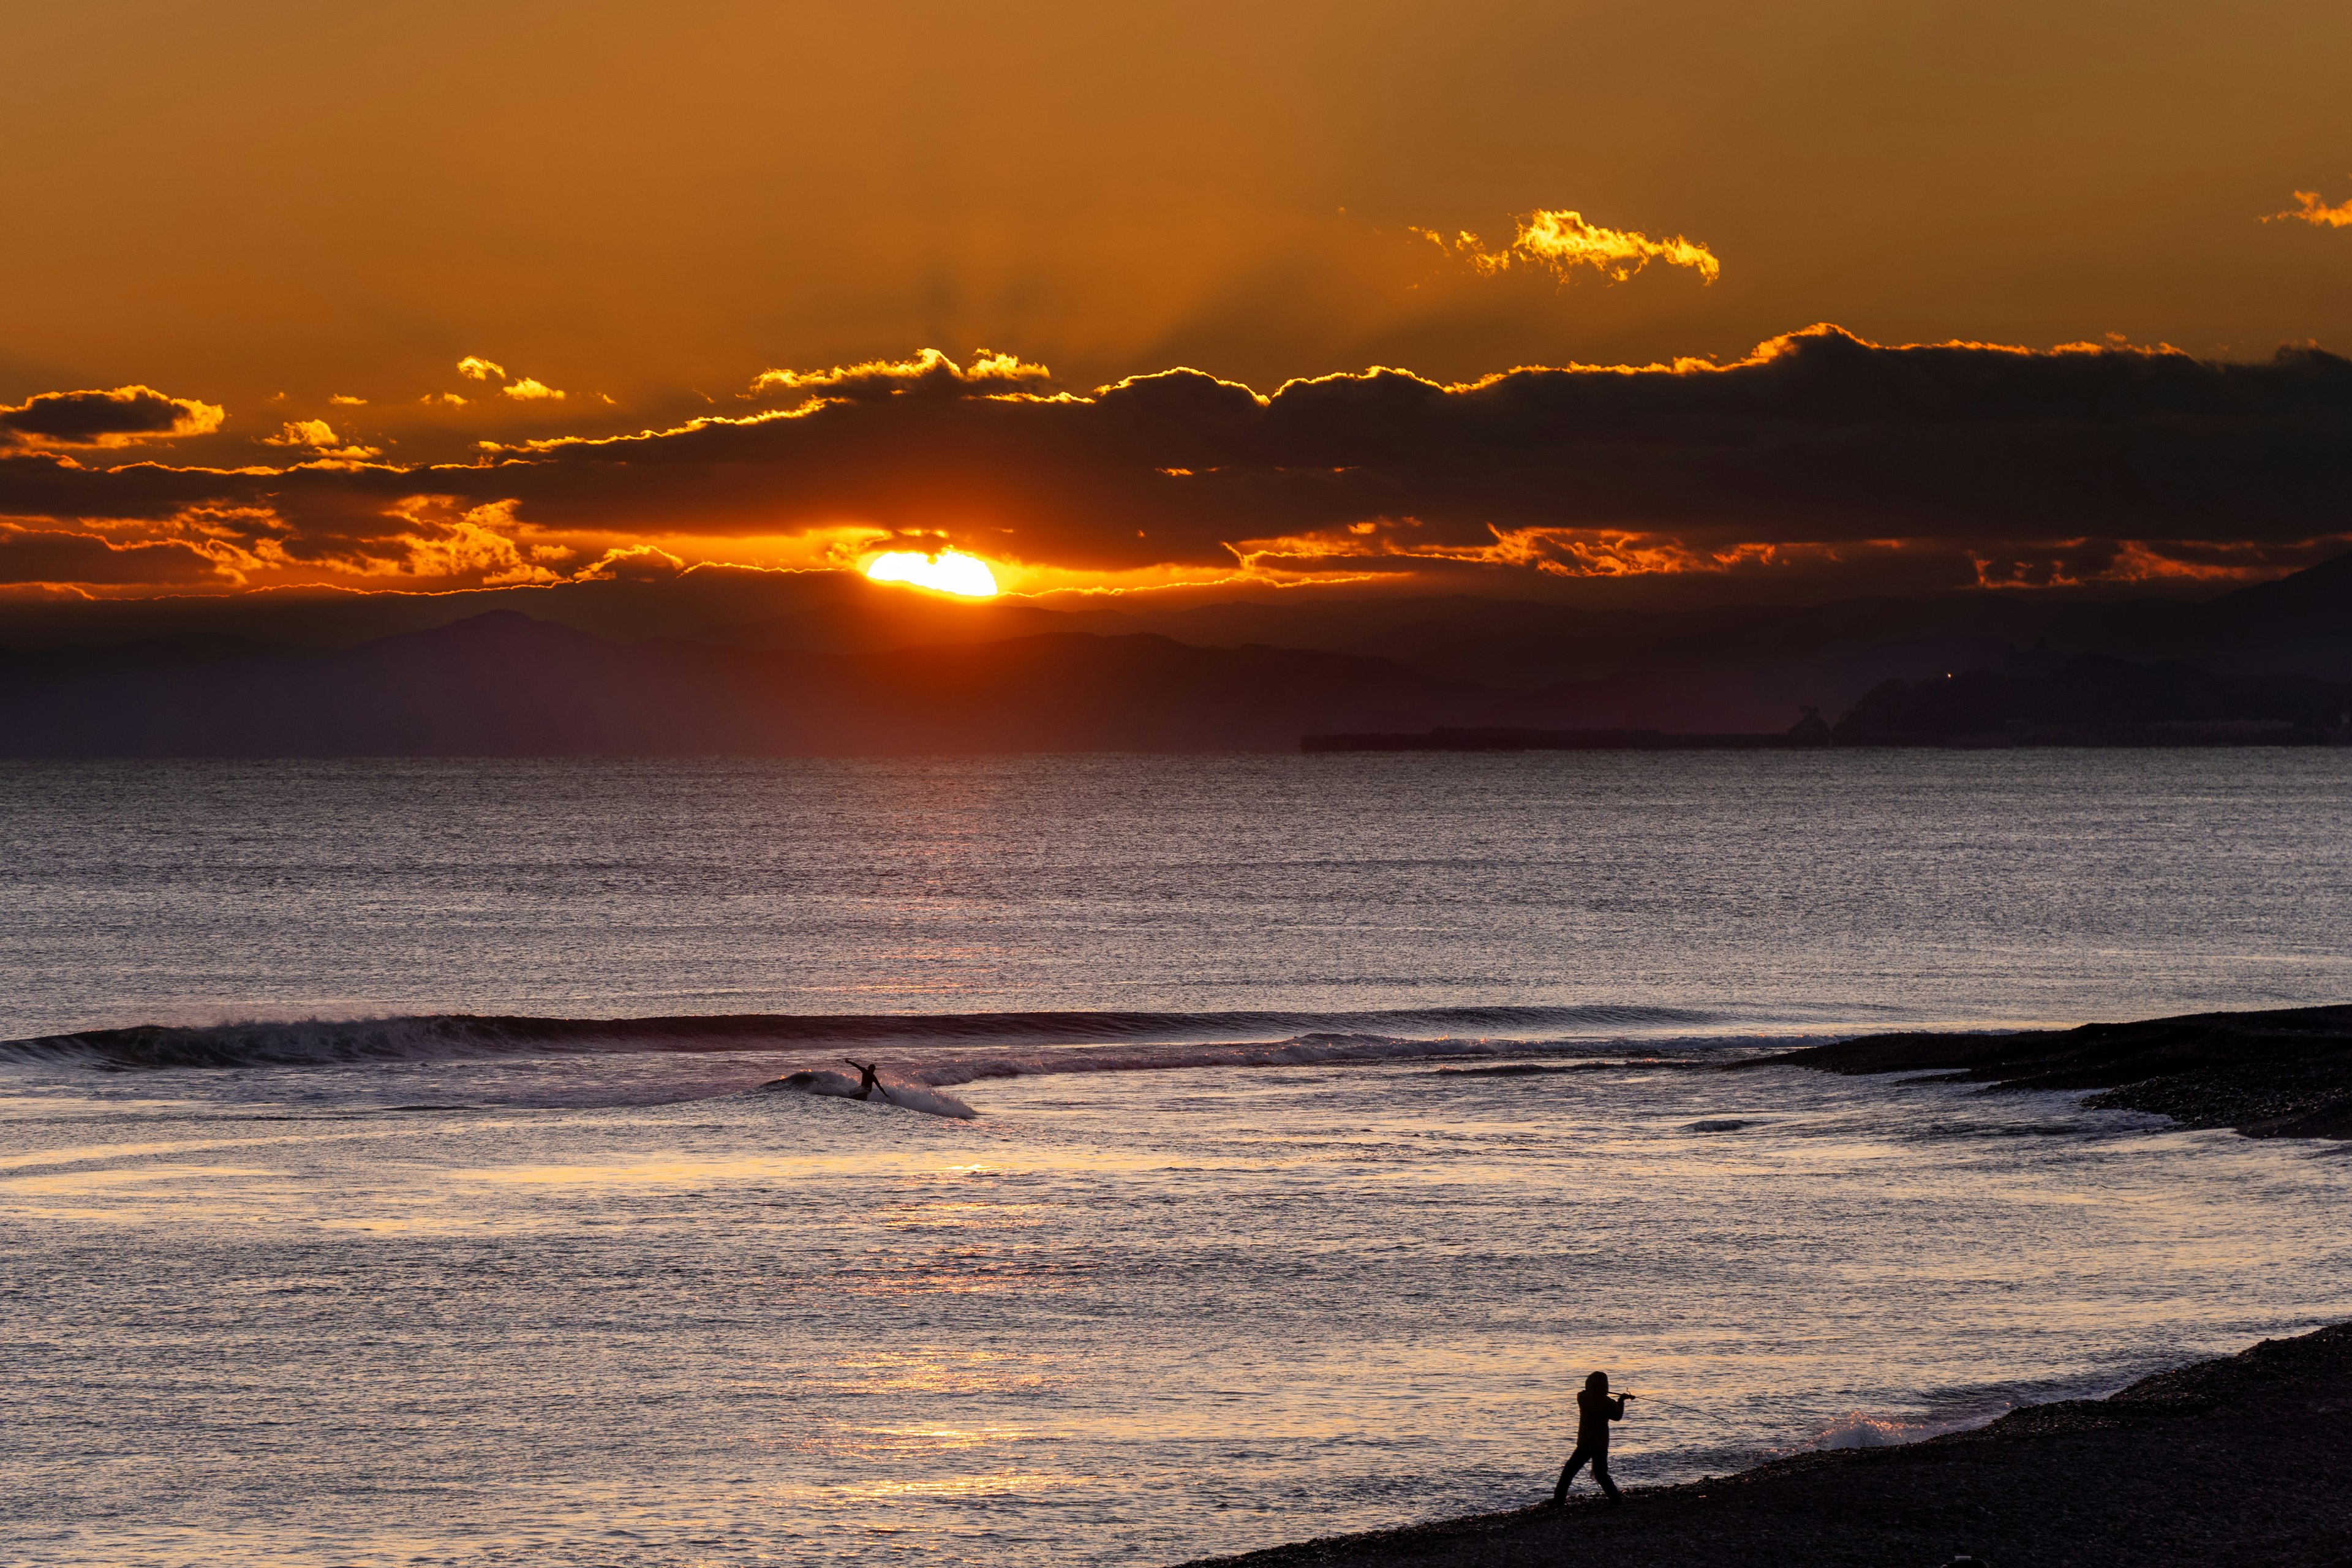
[522, 388]
[2082, 563]
[1390, 545]
[1818, 456]
[303, 433]
[121, 417]
[1562, 242]
[929, 374]
[63, 555]
[632, 564]
[320, 437]
[2315, 212]
[476, 545]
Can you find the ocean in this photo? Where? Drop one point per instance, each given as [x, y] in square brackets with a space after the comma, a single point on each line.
[391, 1170]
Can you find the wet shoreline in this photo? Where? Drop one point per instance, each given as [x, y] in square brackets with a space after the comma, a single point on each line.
[2238, 1460]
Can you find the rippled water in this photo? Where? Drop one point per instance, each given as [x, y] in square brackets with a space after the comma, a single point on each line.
[1954, 886]
[401, 1294]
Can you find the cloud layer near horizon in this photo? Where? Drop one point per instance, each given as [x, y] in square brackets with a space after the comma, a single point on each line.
[1821, 455]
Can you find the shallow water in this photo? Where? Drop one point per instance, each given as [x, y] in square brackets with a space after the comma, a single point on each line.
[1125, 1317]
[1239, 1280]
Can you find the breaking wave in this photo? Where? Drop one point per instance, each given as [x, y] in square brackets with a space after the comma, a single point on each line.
[954, 1048]
[1856, 1430]
[890, 1092]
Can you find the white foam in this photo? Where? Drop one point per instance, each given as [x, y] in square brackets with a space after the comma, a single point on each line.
[1856, 1430]
[895, 1091]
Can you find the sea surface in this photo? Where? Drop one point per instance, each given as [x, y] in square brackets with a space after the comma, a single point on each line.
[1269, 1145]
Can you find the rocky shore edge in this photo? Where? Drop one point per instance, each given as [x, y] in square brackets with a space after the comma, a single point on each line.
[2241, 1462]
[2283, 1073]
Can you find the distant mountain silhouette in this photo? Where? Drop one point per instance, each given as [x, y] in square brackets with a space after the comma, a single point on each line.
[724, 661]
[505, 685]
[2297, 625]
[2096, 700]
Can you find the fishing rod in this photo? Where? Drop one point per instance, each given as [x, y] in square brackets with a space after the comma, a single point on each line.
[1656, 1403]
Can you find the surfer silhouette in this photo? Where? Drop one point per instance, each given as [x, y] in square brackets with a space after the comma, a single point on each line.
[868, 1085]
[1594, 1410]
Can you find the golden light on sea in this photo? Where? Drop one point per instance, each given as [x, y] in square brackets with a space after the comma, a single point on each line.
[949, 572]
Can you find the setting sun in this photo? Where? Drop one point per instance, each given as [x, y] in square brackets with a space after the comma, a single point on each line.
[949, 572]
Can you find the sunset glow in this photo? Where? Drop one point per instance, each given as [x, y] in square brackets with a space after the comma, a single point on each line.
[967, 761]
[949, 572]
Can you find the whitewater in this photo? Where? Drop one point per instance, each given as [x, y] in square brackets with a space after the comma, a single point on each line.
[401, 1162]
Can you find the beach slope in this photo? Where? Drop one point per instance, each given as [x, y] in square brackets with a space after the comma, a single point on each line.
[2246, 1461]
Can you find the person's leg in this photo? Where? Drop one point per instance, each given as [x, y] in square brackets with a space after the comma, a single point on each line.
[1567, 1474]
[1601, 1474]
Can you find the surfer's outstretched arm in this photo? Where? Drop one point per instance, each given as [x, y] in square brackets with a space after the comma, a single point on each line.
[869, 1082]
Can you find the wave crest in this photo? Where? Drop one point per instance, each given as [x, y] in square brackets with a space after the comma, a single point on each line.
[1308, 1037]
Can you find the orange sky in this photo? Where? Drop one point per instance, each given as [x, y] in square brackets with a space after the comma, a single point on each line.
[305, 218]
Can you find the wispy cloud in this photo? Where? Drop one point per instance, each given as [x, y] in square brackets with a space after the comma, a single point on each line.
[2314, 212]
[632, 564]
[67, 556]
[529, 389]
[1560, 242]
[929, 374]
[121, 417]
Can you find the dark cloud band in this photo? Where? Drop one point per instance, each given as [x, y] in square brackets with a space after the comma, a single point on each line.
[2036, 466]
[118, 417]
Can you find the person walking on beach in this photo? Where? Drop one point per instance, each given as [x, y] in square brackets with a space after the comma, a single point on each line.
[1594, 1410]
